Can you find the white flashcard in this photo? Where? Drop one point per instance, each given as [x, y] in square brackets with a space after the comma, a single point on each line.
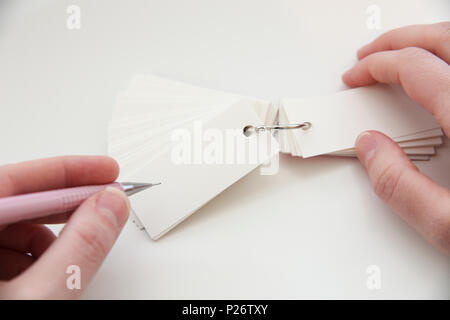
[187, 186]
[337, 120]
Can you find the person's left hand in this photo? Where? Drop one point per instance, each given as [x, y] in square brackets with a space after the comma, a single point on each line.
[33, 263]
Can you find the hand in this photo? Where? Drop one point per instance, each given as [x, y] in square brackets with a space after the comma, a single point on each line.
[416, 57]
[33, 263]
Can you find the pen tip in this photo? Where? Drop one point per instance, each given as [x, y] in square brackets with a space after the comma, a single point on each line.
[131, 188]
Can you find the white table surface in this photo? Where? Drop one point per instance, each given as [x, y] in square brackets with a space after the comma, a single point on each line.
[308, 232]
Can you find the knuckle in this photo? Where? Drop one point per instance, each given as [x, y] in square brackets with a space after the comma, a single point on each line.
[442, 39]
[92, 243]
[409, 57]
[386, 184]
[414, 52]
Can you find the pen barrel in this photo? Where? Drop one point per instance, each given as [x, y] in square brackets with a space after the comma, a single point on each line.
[40, 204]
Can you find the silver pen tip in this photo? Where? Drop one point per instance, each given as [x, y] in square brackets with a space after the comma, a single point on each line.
[131, 188]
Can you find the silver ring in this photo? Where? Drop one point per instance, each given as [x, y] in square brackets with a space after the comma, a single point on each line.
[249, 130]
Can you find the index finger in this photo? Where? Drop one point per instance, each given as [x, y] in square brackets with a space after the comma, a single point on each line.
[424, 77]
[55, 173]
[431, 37]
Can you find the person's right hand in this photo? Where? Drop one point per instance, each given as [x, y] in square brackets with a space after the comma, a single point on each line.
[416, 57]
[34, 264]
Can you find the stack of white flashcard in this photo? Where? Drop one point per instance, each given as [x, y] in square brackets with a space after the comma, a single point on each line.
[191, 139]
[338, 119]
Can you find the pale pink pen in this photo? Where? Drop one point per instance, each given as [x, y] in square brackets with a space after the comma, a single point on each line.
[41, 204]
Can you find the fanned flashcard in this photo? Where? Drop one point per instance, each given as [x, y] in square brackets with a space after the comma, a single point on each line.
[197, 142]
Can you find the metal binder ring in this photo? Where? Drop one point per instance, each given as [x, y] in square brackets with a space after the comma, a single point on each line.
[249, 130]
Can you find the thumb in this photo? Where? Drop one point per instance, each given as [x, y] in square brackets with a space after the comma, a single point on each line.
[79, 250]
[396, 180]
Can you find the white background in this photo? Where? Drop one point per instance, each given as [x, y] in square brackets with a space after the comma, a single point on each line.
[310, 231]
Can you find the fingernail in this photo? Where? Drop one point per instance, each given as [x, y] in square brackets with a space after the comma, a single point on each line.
[114, 204]
[366, 145]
